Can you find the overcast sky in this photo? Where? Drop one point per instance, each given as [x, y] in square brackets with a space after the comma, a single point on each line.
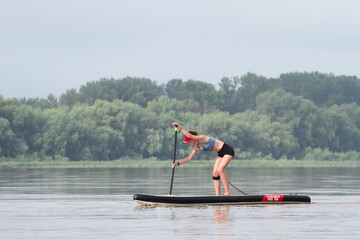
[49, 46]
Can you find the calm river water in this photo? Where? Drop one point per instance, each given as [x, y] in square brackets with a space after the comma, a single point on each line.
[97, 204]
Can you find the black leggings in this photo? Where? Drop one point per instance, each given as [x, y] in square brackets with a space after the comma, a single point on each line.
[226, 150]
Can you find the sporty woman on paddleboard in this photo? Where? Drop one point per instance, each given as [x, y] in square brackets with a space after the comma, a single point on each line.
[205, 143]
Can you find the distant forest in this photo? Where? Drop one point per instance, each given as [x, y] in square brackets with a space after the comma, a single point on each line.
[311, 116]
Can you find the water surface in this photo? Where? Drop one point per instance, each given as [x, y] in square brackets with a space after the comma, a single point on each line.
[97, 204]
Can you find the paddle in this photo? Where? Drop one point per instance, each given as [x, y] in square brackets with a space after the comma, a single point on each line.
[173, 170]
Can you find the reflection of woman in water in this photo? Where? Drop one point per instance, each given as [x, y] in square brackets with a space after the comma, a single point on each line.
[205, 143]
[221, 214]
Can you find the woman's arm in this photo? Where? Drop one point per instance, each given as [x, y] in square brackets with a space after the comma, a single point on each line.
[200, 138]
[187, 159]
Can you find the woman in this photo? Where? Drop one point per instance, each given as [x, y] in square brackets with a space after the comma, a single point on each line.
[205, 143]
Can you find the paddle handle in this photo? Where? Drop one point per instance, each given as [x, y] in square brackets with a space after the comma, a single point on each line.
[173, 170]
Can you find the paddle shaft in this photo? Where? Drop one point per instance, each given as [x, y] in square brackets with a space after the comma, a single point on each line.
[173, 170]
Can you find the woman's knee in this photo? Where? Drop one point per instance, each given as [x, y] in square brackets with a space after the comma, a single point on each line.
[220, 171]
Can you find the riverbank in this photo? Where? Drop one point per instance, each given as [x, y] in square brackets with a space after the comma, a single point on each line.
[154, 163]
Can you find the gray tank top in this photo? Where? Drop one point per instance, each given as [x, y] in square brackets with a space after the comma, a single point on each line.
[208, 146]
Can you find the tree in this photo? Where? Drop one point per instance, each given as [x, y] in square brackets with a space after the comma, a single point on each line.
[94, 137]
[322, 89]
[10, 145]
[296, 112]
[173, 89]
[134, 123]
[136, 90]
[16, 126]
[164, 106]
[56, 132]
[43, 103]
[203, 93]
[228, 88]
[70, 97]
[257, 133]
[251, 86]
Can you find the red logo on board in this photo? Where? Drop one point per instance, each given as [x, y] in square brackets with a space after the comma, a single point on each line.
[273, 198]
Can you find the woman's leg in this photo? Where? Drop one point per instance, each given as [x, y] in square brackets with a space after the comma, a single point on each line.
[215, 175]
[224, 162]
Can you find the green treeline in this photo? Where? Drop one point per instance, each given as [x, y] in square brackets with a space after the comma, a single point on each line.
[296, 116]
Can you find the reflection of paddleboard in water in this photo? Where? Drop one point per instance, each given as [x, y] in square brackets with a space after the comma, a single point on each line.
[153, 200]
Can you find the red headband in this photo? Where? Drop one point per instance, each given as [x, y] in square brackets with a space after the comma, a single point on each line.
[186, 139]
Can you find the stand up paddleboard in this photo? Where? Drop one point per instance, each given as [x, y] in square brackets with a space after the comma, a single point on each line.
[153, 200]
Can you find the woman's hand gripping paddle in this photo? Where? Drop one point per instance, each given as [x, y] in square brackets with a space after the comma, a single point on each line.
[173, 170]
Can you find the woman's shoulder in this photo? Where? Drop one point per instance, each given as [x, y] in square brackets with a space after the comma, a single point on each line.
[204, 138]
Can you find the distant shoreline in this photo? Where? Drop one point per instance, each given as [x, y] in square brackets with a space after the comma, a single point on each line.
[153, 163]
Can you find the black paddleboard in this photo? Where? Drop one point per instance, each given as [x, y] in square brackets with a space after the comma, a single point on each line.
[153, 200]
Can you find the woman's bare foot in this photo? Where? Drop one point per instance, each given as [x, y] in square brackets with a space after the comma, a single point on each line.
[227, 194]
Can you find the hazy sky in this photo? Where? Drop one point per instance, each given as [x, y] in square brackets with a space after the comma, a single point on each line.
[49, 46]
